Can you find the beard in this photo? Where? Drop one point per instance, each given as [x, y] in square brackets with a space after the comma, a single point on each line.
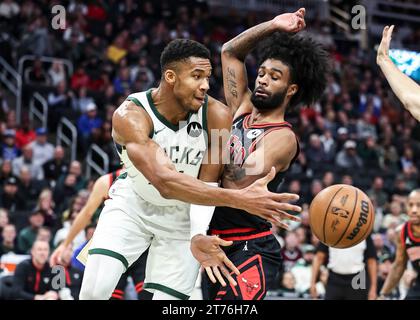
[270, 102]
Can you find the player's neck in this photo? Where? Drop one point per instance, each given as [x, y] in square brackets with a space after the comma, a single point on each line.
[416, 230]
[267, 116]
[167, 105]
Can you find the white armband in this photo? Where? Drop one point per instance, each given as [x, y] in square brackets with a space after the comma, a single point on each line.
[200, 216]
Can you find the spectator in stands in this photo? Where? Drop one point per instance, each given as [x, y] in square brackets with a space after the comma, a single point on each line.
[29, 187]
[56, 73]
[5, 171]
[33, 277]
[369, 153]
[28, 235]
[380, 246]
[56, 167]
[400, 190]
[122, 83]
[27, 159]
[9, 9]
[348, 158]
[36, 74]
[60, 103]
[329, 145]
[328, 179]
[74, 276]
[302, 270]
[394, 217]
[4, 219]
[8, 242]
[82, 100]
[9, 149]
[347, 179]
[384, 267]
[316, 153]
[44, 234]
[377, 192]
[10, 199]
[47, 206]
[64, 190]
[365, 128]
[79, 79]
[316, 187]
[88, 124]
[75, 207]
[342, 137]
[43, 151]
[25, 134]
[117, 50]
[287, 288]
[290, 252]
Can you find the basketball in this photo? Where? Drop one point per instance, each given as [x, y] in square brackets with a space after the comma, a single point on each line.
[341, 216]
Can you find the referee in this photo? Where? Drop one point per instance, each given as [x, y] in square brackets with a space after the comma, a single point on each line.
[347, 279]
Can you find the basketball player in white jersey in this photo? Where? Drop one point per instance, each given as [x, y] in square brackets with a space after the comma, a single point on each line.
[160, 135]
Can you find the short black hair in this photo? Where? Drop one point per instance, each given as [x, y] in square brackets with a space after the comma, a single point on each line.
[181, 50]
[308, 62]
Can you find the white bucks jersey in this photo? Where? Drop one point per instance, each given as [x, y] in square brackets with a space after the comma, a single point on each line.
[185, 144]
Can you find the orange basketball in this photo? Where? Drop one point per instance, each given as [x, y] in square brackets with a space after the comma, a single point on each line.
[341, 216]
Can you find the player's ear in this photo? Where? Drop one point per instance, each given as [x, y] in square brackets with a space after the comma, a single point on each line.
[170, 76]
[291, 90]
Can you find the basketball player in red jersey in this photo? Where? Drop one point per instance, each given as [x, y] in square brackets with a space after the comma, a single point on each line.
[292, 70]
[98, 195]
[408, 249]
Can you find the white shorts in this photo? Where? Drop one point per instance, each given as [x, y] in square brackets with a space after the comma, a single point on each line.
[128, 225]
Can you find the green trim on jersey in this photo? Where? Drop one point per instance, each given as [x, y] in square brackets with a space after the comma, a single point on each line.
[170, 291]
[157, 114]
[110, 253]
[138, 103]
[204, 115]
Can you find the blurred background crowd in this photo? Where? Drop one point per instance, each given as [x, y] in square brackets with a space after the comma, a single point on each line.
[357, 134]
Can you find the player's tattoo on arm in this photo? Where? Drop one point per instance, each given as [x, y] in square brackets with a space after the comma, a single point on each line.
[231, 82]
[242, 44]
[234, 172]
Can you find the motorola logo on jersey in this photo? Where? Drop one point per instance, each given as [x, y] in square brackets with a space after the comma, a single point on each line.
[194, 129]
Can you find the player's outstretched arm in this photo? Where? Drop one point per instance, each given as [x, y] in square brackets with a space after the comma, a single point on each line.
[234, 52]
[98, 194]
[406, 89]
[131, 127]
[397, 269]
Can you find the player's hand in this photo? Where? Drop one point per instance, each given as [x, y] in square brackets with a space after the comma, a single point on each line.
[257, 200]
[55, 258]
[372, 294]
[290, 22]
[207, 251]
[383, 49]
[313, 292]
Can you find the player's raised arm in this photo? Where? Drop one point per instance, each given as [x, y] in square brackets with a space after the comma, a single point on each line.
[131, 128]
[397, 269]
[407, 90]
[234, 52]
[98, 194]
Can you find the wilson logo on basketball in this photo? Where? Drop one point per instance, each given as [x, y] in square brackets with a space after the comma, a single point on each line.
[363, 219]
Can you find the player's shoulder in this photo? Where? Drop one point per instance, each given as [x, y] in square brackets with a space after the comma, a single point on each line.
[281, 134]
[218, 111]
[216, 105]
